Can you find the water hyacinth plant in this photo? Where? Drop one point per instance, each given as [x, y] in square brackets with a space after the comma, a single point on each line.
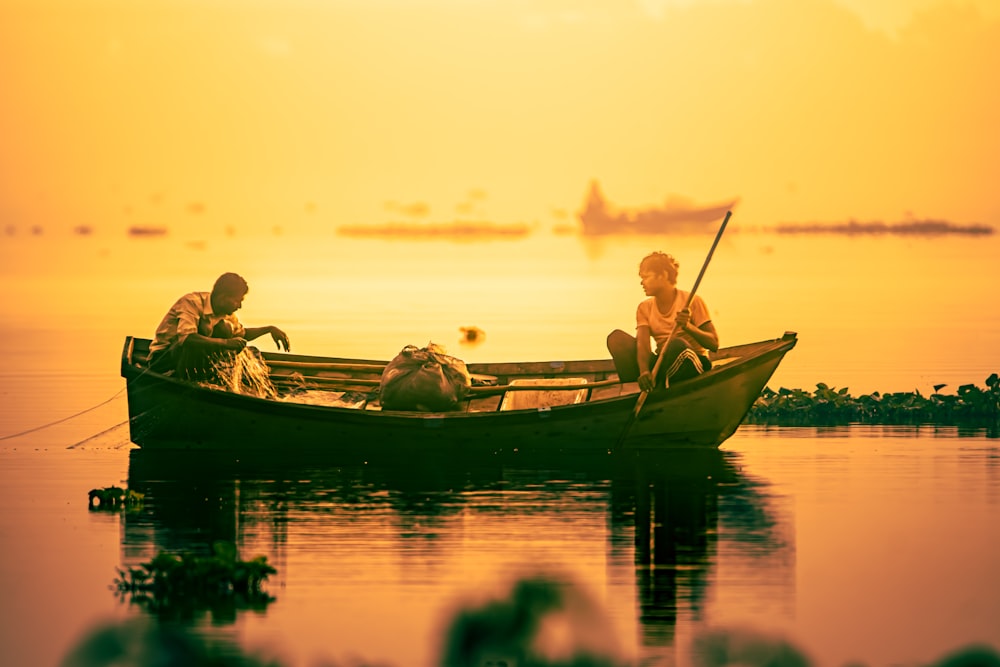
[114, 498]
[179, 585]
[969, 407]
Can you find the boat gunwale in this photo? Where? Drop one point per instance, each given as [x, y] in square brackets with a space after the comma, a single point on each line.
[764, 351]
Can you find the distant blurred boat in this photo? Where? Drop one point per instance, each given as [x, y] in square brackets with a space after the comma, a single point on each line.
[458, 229]
[146, 231]
[597, 216]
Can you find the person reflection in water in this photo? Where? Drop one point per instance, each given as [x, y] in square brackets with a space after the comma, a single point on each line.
[202, 327]
[665, 311]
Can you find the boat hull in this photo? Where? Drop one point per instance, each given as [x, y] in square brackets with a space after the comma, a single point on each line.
[166, 413]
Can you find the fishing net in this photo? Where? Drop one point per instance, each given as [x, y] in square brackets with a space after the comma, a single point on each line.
[242, 373]
[335, 399]
[425, 379]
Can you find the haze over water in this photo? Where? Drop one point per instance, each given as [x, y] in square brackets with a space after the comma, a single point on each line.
[251, 131]
[875, 313]
[313, 113]
[819, 537]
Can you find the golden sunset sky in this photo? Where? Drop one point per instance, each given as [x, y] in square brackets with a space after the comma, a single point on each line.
[309, 114]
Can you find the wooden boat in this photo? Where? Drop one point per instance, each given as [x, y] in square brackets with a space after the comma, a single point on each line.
[527, 407]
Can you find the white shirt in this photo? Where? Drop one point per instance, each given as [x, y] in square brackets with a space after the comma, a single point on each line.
[660, 325]
[192, 313]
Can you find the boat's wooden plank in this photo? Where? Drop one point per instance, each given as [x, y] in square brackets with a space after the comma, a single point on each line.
[305, 381]
[545, 368]
[597, 368]
[485, 390]
[485, 403]
[611, 391]
[545, 386]
[325, 366]
[536, 368]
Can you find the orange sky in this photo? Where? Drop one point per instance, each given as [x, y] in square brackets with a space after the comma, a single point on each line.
[308, 114]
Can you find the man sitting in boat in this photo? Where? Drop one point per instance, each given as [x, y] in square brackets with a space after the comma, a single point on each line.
[683, 331]
[202, 327]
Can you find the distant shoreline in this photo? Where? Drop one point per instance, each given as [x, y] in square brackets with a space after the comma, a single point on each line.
[450, 229]
[137, 230]
[484, 230]
[917, 227]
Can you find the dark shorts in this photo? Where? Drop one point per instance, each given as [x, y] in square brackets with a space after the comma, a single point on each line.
[680, 362]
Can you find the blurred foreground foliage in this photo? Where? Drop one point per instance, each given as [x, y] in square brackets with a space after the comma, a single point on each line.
[183, 585]
[514, 630]
[969, 407]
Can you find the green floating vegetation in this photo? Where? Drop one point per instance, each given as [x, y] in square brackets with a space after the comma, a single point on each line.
[114, 498]
[969, 407]
[181, 585]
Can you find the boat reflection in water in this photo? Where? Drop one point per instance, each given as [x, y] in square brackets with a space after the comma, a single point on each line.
[350, 539]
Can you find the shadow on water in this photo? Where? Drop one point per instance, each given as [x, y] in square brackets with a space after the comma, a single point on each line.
[662, 511]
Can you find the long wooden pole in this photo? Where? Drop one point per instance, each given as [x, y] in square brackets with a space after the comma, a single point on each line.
[663, 348]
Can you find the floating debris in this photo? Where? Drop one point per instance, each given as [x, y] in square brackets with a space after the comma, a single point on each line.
[114, 498]
[471, 335]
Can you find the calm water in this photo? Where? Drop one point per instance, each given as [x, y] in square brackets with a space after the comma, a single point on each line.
[855, 544]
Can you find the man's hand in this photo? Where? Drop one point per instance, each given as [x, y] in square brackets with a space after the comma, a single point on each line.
[280, 339]
[646, 382]
[234, 344]
[683, 318]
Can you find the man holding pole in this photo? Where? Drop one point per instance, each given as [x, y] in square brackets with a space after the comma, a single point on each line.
[677, 320]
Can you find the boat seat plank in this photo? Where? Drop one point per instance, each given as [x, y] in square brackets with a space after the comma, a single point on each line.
[551, 395]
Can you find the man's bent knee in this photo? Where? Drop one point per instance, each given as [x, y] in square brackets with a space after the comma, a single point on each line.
[619, 341]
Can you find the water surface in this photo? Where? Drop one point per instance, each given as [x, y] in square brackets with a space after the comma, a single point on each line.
[877, 545]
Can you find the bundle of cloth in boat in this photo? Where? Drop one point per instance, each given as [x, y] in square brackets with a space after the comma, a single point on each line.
[425, 379]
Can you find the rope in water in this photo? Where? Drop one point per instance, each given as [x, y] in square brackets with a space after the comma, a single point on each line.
[64, 419]
[104, 432]
[245, 369]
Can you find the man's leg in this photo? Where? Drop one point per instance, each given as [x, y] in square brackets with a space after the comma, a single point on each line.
[163, 361]
[192, 363]
[681, 361]
[622, 348]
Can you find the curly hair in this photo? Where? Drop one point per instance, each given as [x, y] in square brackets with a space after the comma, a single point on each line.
[660, 262]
